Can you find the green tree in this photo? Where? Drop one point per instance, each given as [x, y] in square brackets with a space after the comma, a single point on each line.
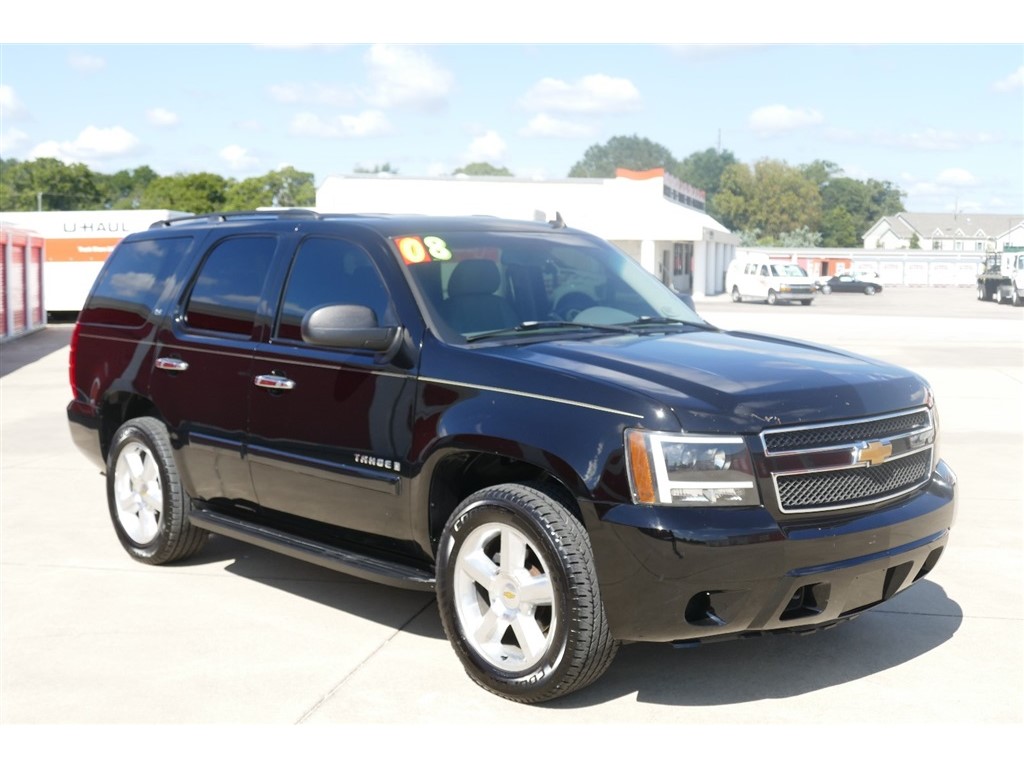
[386, 168]
[123, 190]
[483, 169]
[630, 152]
[773, 197]
[840, 229]
[48, 184]
[286, 188]
[195, 192]
[704, 169]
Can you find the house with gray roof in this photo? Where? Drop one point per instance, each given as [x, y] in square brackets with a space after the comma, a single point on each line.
[977, 233]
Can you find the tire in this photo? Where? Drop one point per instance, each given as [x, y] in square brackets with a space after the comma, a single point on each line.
[518, 595]
[148, 506]
[806, 302]
[826, 290]
[737, 297]
[982, 293]
[869, 290]
[772, 297]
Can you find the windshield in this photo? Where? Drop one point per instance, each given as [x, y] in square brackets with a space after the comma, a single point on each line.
[474, 283]
[788, 270]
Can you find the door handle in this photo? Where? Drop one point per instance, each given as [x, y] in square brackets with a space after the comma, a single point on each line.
[270, 381]
[171, 364]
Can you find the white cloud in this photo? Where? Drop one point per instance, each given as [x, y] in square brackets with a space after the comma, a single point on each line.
[10, 105]
[403, 77]
[313, 93]
[1012, 82]
[84, 62]
[238, 158]
[486, 147]
[91, 144]
[364, 125]
[593, 94]
[778, 118]
[11, 140]
[544, 125]
[957, 177]
[162, 117]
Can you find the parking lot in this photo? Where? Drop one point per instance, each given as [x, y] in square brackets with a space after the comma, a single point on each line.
[245, 636]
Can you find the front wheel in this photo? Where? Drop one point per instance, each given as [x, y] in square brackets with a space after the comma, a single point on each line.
[869, 290]
[518, 595]
[148, 506]
[772, 297]
[737, 297]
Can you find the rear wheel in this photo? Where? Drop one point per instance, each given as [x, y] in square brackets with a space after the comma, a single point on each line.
[148, 505]
[982, 293]
[518, 595]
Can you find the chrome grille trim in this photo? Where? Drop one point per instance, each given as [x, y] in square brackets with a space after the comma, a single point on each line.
[841, 434]
[844, 465]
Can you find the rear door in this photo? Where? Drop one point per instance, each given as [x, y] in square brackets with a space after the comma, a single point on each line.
[329, 427]
[203, 361]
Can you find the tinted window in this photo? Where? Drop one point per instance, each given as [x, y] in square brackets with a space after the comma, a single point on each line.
[227, 290]
[134, 279]
[330, 271]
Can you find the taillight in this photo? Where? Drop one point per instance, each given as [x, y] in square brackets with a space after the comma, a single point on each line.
[72, 360]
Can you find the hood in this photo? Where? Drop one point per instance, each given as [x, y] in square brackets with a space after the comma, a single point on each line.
[717, 381]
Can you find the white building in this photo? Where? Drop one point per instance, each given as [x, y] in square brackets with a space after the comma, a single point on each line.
[975, 233]
[654, 217]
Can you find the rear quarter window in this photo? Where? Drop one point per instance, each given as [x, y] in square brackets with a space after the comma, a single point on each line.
[133, 280]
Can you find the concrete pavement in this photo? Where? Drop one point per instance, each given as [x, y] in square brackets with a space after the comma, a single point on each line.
[240, 635]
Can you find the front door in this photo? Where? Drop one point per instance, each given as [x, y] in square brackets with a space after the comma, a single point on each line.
[329, 427]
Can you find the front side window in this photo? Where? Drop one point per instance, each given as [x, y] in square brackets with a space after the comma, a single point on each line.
[330, 271]
[227, 290]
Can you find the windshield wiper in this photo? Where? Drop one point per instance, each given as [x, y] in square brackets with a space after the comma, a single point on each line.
[656, 320]
[534, 325]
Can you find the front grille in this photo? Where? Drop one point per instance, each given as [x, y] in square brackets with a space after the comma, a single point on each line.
[846, 433]
[861, 485]
[844, 465]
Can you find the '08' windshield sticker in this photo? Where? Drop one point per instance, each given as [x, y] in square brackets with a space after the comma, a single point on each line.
[416, 250]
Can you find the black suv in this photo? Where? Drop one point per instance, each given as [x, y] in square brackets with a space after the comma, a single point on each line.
[513, 414]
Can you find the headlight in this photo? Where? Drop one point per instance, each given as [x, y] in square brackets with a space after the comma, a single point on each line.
[689, 470]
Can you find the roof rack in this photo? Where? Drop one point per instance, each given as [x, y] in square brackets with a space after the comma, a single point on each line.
[223, 216]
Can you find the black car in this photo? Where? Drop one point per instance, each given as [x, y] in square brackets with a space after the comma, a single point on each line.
[849, 284]
[514, 415]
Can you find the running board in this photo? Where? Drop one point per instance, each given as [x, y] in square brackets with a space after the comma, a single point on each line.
[351, 563]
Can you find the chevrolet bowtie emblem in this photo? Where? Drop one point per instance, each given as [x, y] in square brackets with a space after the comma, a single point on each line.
[873, 453]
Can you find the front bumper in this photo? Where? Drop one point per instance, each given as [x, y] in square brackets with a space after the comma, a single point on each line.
[692, 575]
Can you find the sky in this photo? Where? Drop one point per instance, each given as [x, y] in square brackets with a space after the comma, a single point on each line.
[942, 121]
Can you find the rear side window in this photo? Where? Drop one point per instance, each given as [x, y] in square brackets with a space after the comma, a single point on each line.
[227, 290]
[133, 280]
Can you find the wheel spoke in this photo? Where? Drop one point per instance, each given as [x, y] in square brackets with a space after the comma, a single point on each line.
[531, 638]
[480, 568]
[537, 590]
[133, 462]
[490, 629]
[513, 550]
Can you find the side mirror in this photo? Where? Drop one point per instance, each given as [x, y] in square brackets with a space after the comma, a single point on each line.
[347, 325]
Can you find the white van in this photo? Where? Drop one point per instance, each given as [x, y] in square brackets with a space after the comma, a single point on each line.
[771, 281]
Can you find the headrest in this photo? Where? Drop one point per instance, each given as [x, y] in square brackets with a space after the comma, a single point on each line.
[476, 276]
